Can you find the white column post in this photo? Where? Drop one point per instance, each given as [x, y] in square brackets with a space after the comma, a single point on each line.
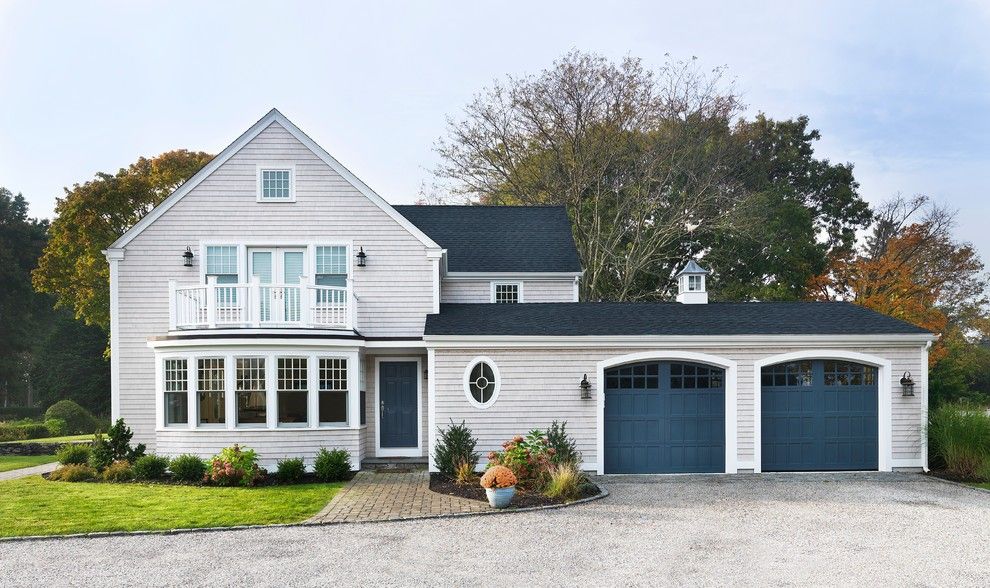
[254, 297]
[353, 390]
[431, 405]
[193, 396]
[171, 305]
[271, 391]
[230, 391]
[211, 301]
[305, 299]
[313, 391]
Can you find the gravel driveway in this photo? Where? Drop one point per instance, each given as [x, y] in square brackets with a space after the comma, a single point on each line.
[870, 529]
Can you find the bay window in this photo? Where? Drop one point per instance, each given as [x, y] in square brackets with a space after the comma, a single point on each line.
[251, 385]
[210, 386]
[333, 391]
[293, 387]
[176, 386]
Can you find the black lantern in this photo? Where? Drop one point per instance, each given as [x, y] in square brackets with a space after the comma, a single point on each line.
[907, 385]
[187, 257]
[585, 388]
[361, 257]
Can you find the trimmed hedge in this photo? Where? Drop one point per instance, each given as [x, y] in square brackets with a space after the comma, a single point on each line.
[20, 431]
[78, 420]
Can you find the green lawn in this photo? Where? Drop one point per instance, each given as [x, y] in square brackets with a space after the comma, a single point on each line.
[35, 506]
[16, 462]
[64, 439]
[984, 486]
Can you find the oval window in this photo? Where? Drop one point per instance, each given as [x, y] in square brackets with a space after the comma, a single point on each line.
[481, 382]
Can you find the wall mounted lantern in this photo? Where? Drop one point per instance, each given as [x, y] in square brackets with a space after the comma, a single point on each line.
[907, 385]
[187, 256]
[361, 257]
[585, 388]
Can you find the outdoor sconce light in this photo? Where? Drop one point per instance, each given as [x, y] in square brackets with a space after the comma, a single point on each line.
[187, 257]
[907, 385]
[585, 388]
[361, 257]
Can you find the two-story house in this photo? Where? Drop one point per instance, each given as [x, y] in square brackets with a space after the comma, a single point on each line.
[276, 301]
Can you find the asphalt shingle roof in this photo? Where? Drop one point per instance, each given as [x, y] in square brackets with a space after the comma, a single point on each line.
[499, 238]
[630, 318]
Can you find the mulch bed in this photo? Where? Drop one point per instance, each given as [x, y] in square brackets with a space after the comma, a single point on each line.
[445, 485]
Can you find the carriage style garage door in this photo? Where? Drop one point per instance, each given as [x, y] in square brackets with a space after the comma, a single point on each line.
[664, 417]
[819, 415]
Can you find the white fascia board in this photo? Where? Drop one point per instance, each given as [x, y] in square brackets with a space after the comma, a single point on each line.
[680, 341]
[273, 116]
[455, 276]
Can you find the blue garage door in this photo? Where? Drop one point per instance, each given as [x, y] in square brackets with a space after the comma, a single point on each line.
[819, 415]
[664, 417]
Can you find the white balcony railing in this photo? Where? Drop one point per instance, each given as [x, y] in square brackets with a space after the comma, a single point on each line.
[213, 305]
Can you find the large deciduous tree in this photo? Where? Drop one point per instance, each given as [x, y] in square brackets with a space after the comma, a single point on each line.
[93, 215]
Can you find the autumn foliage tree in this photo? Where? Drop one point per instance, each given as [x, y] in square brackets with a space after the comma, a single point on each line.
[93, 215]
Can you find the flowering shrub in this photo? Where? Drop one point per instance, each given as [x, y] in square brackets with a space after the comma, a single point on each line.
[528, 457]
[234, 466]
[498, 477]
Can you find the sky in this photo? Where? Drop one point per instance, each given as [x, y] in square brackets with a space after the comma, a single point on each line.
[900, 89]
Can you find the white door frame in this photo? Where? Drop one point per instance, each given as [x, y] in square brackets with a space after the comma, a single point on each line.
[399, 451]
[731, 378]
[884, 392]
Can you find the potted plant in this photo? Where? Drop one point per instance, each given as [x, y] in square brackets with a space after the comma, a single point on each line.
[500, 485]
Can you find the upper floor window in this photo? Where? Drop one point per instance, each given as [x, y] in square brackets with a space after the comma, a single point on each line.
[506, 293]
[276, 185]
[694, 283]
[221, 263]
[331, 265]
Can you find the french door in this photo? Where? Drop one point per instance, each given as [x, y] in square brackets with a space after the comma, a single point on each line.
[280, 271]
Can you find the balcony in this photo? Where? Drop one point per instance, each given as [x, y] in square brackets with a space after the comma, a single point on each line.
[257, 305]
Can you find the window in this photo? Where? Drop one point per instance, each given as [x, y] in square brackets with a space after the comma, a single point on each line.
[293, 384]
[333, 391]
[250, 384]
[505, 293]
[482, 382]
[210, 386]
[331, 265]
[364, 407]
[685, 376]
[176, 392]
[221, 263]
[275, 185]
[694, 283]
[640, 376]
[844, 373]
[796, 373]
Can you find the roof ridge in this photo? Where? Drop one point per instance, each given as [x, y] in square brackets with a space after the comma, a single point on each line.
[481, 205]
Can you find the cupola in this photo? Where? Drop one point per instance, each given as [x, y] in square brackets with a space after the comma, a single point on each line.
[691, 284]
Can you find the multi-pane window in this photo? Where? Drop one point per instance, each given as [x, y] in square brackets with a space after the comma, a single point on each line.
[333, 390]
[293, 384]
[506, 293]
[250, 383]
[694, 283]
[210, 387]
[642, 376]
[331, 265]
[844, 373]
[795, 373]
[276, 184]
[685, 376]
[176, 392]
[221, 262]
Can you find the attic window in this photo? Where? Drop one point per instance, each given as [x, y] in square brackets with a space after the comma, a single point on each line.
[506, 293]
[276, 185]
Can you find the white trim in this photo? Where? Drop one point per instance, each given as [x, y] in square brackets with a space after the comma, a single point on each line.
[275, 166]
[924, 405]
[548, 276]
[273, 116]
[400, 451]
[431, 407]
[114, 257]
[435, 263]
[681, 341]
[494, 283]
[466, 382]
[919, 462]
[884, 402]
[731, 394]
[577, 289]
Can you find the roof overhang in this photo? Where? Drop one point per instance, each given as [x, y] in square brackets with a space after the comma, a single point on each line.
[455, 276]
[675, 341]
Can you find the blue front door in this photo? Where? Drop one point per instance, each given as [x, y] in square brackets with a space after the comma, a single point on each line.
[398, 412]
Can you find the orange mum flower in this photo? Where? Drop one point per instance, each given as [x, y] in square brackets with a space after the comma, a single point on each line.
[498, 477]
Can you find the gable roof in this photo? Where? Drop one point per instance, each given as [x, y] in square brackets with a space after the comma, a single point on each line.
[664, 318]
[500, 238]
[273, 116]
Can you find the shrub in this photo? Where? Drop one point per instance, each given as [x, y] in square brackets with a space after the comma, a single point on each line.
[235, 466]
[56, 427]
[100, 453]
[73, 473]
[12, 413]
[289, 471]
[332, 466]
[564, 481]
[72, 454]
[119, 438]
[150, 467]
[528, 457]
[464, 474]
[188, 468]
[21, 430]
[498, 477]
[78, 420]
[564, 446]
[118, 471]
[959, 435]
[455, 446]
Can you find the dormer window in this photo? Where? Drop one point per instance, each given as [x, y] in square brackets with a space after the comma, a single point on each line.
[276, 184]
[694, 284]
[506, 292]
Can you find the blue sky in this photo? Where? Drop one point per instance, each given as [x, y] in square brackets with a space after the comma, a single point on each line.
[901, 89]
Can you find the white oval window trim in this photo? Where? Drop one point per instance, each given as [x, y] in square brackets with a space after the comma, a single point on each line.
[467, 382]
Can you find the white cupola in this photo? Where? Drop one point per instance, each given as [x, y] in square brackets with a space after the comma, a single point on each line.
[691, 284]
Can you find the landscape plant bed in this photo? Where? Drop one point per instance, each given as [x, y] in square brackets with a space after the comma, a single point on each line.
[444, 484]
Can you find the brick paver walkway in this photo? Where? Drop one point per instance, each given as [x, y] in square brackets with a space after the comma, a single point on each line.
[382, 496]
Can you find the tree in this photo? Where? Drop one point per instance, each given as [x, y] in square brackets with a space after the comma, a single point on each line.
[93, 215]
[21, 241]
[652, 169]
[68, 363]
